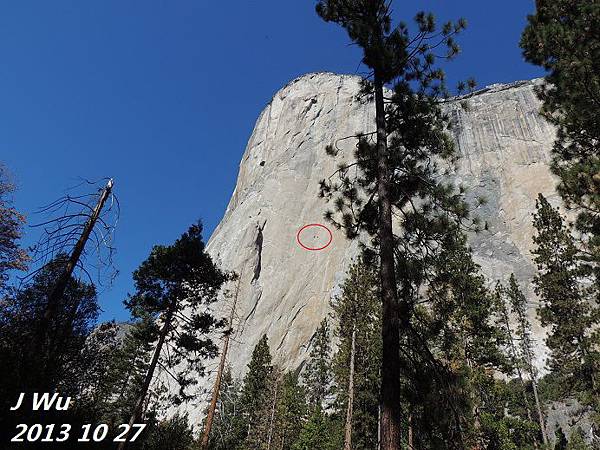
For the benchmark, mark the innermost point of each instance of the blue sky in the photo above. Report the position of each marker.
(163, 95)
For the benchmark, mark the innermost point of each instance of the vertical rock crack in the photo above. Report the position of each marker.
(258, 246)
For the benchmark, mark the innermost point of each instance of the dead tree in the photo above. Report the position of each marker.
(61, 284)
(63, 243)
(72, 222)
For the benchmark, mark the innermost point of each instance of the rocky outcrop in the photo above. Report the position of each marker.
(285, 289)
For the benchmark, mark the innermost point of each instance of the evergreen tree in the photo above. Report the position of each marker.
(290, 413)
(455, 348)
(21, 317)
(518, 303)
(504, 423)
(216, 390)
(229, 426)
(95, 384)
(358, 310)
(257, 397)
(170, 434)
(174, 286)
(318, 433)
(568, 307)
(317, 375)
(577, 440)
(518, 428)
(562, 37)
(396, 166)
(561, 440)
(126, 371)
(516, 358)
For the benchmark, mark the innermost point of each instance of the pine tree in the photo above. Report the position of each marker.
(126, 370)
(568, 307)
(455, 348)
(350, 406)
(518, 303)
(170, 434)
(318, 433)
(173, 286)
(562, 37)
(229, 426)
(317, 375)
(290, 414)
(208, 421)
(577, 440)
(503, 422)
(395, 168)
(21, 318)
(22, 314)
(561, 440)
(515, 357)
(257, 397)
(273, 399)
(358, 311)
(94, 379)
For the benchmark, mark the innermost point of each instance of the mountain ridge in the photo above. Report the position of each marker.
(504, 152)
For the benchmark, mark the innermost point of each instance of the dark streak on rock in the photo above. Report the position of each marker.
(255, 306)
(296, 315)
(283, 339)
(290, 325)
(259, 245)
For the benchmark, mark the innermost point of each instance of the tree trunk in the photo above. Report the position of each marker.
(61, 283)
(391, 415)
(137, 411)
(379, 426)
(217, 388)
(349, 411)
(47, 341)
(538, 406)
(410, 433)
(517, 363)
(273, 408)
(587, 359)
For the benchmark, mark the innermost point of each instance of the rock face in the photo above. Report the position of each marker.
(285, 289)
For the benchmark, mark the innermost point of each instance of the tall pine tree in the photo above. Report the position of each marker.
(174, 286)
(568, 306)
(452, 353)
(396, 165)
(290, 413)
(518, 303)
(562, 37)
(358, 312)
(317, 374)
(229, 427)
(257, 397)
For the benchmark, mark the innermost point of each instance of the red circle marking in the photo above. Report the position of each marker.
(314, 225)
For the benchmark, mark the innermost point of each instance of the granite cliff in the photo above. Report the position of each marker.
(504, 148)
